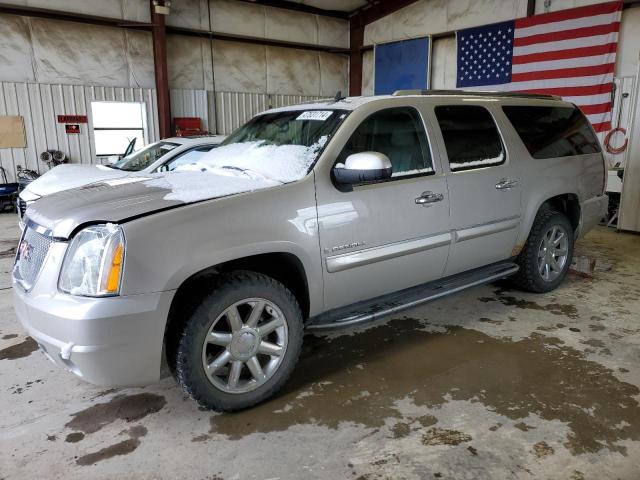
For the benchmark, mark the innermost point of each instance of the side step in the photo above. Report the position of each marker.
(411, 297)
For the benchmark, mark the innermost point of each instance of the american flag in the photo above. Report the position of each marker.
(570, 53)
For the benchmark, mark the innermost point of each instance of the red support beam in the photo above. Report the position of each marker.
(159, 35)
(357, 23)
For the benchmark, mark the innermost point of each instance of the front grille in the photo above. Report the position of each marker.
(32, 252)
(22, 207)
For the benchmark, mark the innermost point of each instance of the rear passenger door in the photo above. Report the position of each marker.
(484, 187)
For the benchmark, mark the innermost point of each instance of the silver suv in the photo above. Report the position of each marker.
(315, 216)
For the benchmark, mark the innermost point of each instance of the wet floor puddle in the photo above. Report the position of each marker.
(19, 350)
(358, 378)
(130, 408)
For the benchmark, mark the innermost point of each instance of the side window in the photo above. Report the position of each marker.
(550, 132)
(185, 158)
(399, 134)
(470, 136)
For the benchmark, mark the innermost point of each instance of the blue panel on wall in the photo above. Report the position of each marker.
(401, 65)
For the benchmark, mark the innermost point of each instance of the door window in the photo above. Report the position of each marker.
(399, 134)
(470, 137)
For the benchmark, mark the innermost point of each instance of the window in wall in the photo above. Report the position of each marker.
(470, 137)
(115, 124)
(550, 132)
(399, 134)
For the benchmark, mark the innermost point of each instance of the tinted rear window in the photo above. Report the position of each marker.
(550, 132)
(470, 136)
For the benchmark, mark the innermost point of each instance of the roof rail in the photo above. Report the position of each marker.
(473, 93)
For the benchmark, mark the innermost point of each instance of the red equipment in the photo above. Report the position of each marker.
(188, 126)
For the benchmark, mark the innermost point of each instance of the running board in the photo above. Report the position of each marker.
(411, 297)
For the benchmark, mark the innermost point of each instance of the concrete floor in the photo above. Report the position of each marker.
(488, 384)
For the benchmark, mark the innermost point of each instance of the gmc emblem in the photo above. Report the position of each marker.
(25, 250)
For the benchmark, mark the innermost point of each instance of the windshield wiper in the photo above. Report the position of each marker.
(248, 171)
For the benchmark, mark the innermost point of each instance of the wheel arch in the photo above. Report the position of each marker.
(567, 203)
(284, 267)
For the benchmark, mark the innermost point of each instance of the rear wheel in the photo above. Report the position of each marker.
(241, 342)
(547, 255)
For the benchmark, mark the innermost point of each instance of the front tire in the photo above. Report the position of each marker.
(241, 342)
(546, 257)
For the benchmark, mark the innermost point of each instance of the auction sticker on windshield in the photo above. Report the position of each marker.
(320, 115)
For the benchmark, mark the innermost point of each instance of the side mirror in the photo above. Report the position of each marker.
(363, 167)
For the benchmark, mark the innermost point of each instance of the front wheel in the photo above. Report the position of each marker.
(241, 343)
(547, 255)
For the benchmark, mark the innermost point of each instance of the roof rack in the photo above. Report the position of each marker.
(465, 93)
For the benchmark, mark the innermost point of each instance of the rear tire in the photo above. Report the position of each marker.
(547, 255)
(240, 343)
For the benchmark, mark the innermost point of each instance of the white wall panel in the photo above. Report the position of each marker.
(67, 52)
(40, 104)
(443, 63)
(240, 67)
(136, 10)
(427, 17)
(629, 43)
(189, 14)
(367, 73)
(186, 61)
(240, 18)
(15, 49)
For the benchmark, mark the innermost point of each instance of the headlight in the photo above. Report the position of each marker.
(93, 263)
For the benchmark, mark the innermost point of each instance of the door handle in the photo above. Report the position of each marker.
(429, 197)
(506, 184)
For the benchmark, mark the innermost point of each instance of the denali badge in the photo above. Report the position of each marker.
(339, 248)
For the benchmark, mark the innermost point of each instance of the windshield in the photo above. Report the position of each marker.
(144, 157)
(278, 146)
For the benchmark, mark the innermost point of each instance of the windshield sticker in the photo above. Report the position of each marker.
(318, 115)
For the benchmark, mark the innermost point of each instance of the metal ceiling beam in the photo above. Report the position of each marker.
(299, 7)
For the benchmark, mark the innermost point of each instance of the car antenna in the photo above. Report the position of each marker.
(338, 96)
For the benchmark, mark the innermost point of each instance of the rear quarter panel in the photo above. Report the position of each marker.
(542, 179)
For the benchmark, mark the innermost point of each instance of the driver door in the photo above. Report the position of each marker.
(377, 238)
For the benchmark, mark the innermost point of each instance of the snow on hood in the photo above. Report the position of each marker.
(237, 168)
(65, 177)
(192, 186)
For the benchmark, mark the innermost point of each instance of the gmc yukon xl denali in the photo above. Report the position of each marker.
(315, 216)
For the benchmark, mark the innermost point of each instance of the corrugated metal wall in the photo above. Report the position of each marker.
(228, 109)
(233, 108)
(40, 104)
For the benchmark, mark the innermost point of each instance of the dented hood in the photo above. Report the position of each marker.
(67, 176)
(120, 199)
